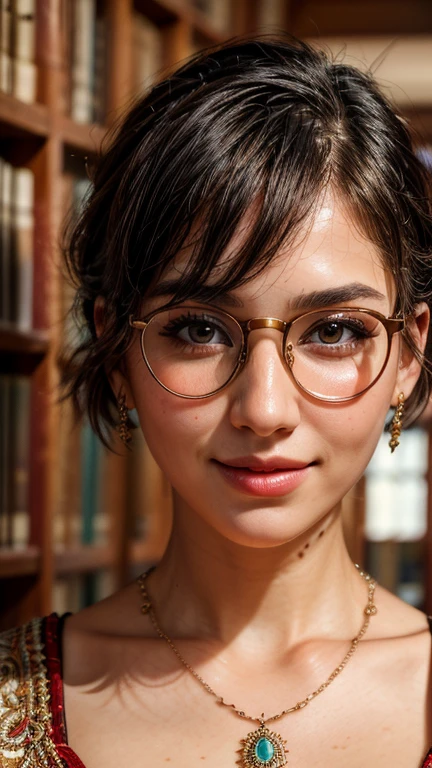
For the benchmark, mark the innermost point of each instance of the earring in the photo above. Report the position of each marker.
(123, 427)
(396, 425)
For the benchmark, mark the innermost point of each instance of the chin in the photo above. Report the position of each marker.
(264, 528)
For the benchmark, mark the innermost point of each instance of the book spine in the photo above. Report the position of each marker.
(100, 70)
(147, 52)
(19, 452)
(3, 262)
(5, 240)
(66, 44)
(22, 226)
(83, 37)
(90, 485)
(6, 46)
(4, 457)
(218, 13)
(271, 15)
(23, 63)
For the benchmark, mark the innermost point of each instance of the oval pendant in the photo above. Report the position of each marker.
(263, 749)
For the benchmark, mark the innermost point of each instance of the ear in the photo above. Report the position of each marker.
(409, 367)
(117, 378)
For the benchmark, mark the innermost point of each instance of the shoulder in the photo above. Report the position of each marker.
(95, 636)
(398, 619)
(403, 636)
(26, 721)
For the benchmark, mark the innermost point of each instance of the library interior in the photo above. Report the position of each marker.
(77, 522)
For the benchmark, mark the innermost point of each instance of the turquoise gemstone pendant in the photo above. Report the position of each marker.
(263, 749)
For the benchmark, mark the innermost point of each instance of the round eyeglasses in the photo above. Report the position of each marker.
(336, 354)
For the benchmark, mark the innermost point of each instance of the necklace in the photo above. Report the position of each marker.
(262, 748)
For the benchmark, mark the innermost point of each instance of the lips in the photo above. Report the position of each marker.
(273, 476)
(257, 464)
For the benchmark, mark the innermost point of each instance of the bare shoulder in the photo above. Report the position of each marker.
(117, 614)
(95, 636)
(402, 635)
(397, 619)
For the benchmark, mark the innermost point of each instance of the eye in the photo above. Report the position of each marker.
(336, 332)
(331, 333)
(197, 330)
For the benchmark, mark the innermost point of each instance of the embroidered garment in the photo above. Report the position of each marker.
(32, 723)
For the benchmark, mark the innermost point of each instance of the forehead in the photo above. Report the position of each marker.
(330, 252)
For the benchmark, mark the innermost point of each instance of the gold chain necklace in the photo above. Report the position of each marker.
(262, 748)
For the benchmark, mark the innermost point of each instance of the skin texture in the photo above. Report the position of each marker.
(260, 593)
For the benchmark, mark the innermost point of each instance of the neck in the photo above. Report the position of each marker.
(207, 587)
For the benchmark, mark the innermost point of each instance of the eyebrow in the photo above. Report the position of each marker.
(313, 300)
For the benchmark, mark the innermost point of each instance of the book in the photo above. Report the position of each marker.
(23, 45)
(6, 46)
(93, 528)
(5, 240)
(100, 70)
(271, 15)
(14, 461)
(82, 63)
(4, 458)
(21, 248)
(218, 13)
(19, 461)
(146, 52)
(77, 591)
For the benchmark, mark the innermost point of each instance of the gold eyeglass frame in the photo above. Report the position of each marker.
(392, 325)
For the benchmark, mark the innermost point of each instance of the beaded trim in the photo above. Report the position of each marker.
(25, 717)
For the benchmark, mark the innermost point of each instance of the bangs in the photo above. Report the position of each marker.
(247, 152)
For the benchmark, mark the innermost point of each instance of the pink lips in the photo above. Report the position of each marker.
(264, 477)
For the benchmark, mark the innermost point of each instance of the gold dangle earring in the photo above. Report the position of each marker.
(396, 425)
(123, 427)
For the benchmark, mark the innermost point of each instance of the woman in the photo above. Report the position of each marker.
(253, 267)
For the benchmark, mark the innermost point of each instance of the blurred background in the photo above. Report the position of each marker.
(77, 522)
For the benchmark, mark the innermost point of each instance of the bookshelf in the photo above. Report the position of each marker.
(67, 69)
(76, 88)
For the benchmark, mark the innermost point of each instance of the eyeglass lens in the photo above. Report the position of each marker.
(194, 351)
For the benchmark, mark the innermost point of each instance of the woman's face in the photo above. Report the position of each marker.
(262, 415)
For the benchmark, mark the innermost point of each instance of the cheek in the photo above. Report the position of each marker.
(175, 428)
(353, 429)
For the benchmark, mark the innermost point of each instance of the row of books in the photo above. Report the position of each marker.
(85, 60)
(270, 14)
(84, 50)
(16, 244)
(17, 48)
(79, 516)
(72, 593)
(83, 40)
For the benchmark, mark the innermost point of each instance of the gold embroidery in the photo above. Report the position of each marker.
(25, 718)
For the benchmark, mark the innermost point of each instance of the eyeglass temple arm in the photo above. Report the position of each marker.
(394, 324)
(137, 323)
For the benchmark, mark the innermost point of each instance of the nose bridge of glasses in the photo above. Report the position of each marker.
(266, 322)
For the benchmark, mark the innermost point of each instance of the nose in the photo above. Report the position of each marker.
(264, 397)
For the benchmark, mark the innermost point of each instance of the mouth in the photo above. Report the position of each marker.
(271, 464)
(271, 477)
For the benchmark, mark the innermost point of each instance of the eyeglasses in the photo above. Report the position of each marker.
(194, 351)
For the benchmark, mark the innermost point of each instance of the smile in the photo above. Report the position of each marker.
(257, 481)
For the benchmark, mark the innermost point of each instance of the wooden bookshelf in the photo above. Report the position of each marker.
(39, 136)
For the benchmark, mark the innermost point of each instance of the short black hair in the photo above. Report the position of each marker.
(270, 121)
